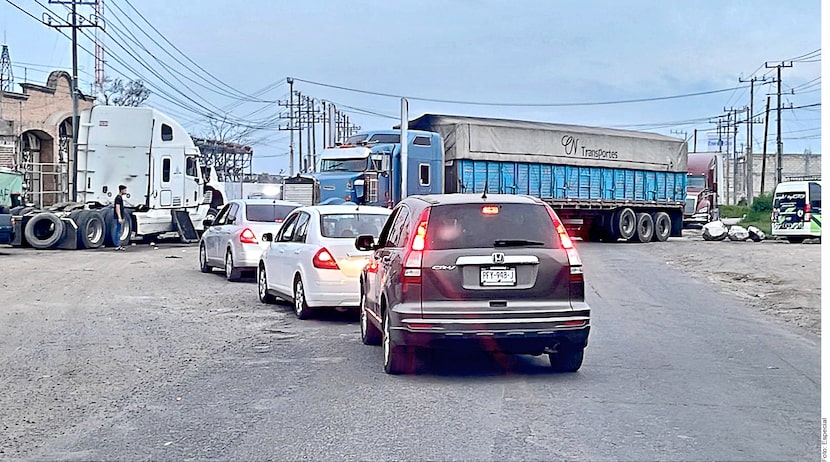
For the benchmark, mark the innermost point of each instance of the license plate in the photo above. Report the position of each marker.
(498, 276)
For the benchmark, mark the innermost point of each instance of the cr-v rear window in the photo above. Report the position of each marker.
(462, 226)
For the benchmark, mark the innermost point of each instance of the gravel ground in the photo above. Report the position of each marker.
(772, 276)
(85, 335)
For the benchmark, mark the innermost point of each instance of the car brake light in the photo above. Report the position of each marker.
(247, 237)
(412, 262)
(372, 266)
(324, 260)
(490, 209)
(808, 216)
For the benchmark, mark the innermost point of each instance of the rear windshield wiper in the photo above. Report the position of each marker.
(515, 243)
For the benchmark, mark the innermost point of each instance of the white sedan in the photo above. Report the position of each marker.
(233, 240)
(312, 260)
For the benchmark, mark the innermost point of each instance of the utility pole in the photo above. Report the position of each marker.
(291, 125)
(695, 142)
(300, 132)
(313, 136)
(779, 144)
(764, 156)
(75, 24)
(6, 75)
(732, 125)
(749, 121)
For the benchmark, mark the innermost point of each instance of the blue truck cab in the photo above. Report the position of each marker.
(366, 170)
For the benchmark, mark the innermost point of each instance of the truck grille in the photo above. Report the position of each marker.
(299, 192)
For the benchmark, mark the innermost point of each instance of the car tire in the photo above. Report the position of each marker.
(301, 308)
(369, 334)
(625, 224)
(231, 273)
(262, 285)
(397, 359)
(795, 239)
(662, 226)
(568, 360)
(203, 263)
(645, 228)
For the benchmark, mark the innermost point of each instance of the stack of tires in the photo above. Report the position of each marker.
(48, 230)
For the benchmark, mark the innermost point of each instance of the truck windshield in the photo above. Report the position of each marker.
(346, 165)
(696, 181)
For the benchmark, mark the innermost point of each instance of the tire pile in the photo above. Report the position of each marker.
(68, 226)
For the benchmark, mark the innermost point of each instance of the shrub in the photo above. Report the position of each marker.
(762, 203)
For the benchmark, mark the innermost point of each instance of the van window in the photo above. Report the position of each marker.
(815, 197)
(166, 132)
(464, 226)
(165, 170)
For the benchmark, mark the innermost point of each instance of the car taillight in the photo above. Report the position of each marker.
(324, 260)
(576, 277)
(247, 237)
(414, 257)
(807, 212)
(372, 266)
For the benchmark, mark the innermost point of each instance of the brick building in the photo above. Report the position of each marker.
(36, 135)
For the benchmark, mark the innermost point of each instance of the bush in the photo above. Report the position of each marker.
(733, 211)
(762, 203)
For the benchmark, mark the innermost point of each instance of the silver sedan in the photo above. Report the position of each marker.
(233, 240)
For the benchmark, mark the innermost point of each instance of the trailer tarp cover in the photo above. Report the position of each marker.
(479, 138)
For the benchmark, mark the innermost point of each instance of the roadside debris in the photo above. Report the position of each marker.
(756, 234)
(714, 231)
(738, 233)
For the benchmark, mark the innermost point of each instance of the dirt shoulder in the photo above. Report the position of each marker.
(775, 277)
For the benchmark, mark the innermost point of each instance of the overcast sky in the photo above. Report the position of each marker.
(484, 51)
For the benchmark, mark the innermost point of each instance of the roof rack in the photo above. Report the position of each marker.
(803, 178)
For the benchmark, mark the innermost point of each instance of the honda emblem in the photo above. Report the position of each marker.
(498, 258)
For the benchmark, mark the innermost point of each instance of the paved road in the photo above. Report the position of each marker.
(673, 372)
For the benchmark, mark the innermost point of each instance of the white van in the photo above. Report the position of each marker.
(796, 210)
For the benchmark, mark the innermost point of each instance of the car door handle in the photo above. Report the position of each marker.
(297, 252)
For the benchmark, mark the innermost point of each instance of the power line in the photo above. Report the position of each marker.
(479, 103)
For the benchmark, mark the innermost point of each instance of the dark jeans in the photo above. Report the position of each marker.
(116, 234)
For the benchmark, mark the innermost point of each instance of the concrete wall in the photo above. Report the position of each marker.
(792, 165)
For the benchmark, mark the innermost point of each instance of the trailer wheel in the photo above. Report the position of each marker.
(625, 222)
(91, 229)
(44, 230)
(662, 226)
(645, 228)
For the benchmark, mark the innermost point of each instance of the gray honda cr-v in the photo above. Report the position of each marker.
(492, 272)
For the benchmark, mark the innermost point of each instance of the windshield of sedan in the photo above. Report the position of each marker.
(271, 213)
(346, 165)
(351, 225)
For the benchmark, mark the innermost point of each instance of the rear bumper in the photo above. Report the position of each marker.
(528, 334)
(343, 292)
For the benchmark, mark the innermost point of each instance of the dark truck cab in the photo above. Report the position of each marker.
(7, 220)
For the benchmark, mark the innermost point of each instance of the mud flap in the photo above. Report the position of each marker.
(69, 240)
(187, 233)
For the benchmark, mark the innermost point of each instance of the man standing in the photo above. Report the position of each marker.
(118, 210)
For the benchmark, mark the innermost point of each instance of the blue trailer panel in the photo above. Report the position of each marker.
(583, 183)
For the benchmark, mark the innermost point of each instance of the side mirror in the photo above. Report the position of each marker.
(365, 242)
(207, 222)
(267, 237)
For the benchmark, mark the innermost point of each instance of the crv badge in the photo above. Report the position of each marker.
(498, 258)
